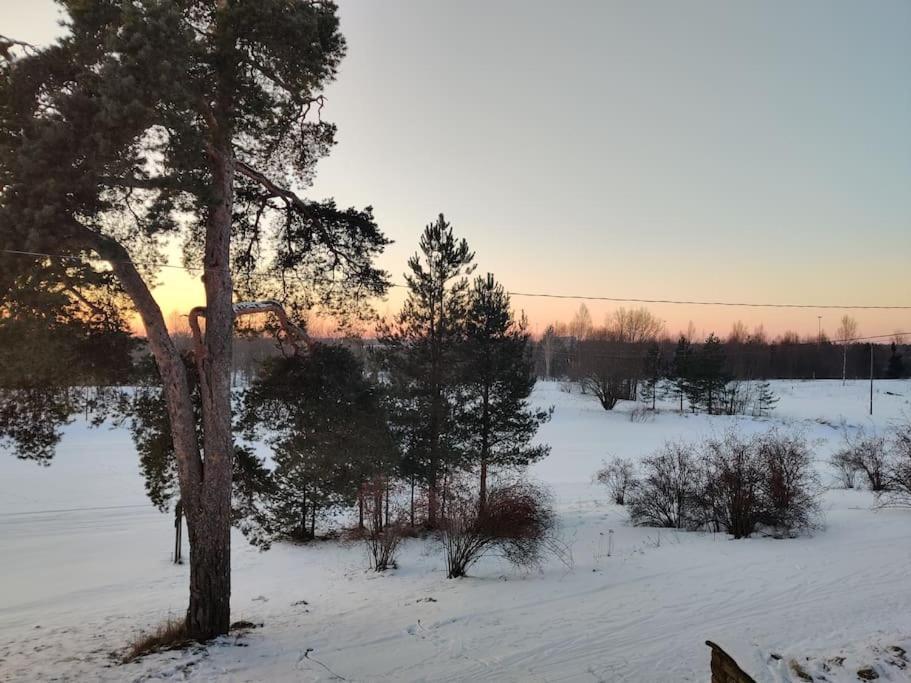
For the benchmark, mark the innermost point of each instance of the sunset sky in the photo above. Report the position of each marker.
(739, 151)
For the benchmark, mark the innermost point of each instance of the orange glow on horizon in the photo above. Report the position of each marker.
(179, 291)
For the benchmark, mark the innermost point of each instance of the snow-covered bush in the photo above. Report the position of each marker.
(619, 476)
(669, 494)
(515, 522)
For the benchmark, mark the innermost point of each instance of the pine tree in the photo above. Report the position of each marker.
(422, 354)
(495, 417)
(653, 371)
(896, 367)
(187, 120)
(707, 377)
(326, 424)
(765, 398)
(681, 367)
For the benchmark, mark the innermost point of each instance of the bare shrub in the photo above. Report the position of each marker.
(868, 453)
(790, 486)
(846, 469)
(170, 635)
(898, 493)
(619, 476)
(383, 544)
(669, 494)
(382, 523)
(641, 414)
(733, 485)
(515, 521)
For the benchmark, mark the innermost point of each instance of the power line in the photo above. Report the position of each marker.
(544, 295)
(689, 302)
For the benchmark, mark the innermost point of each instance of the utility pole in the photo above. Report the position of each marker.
(871, 378)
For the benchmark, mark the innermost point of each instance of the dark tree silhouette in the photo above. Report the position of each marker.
(190, 121)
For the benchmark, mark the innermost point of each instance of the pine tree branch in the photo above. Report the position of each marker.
(173, 372)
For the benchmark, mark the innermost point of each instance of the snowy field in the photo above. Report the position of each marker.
(84, 566)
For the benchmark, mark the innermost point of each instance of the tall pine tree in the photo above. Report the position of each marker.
(422, 351)
(497, 420)
(681, 368)
(187, 121)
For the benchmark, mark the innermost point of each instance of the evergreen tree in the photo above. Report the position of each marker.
(422, 354)
(56, 341)
(896, 367)
(145, 412)
(707, 377)
(652, 373)
(187, 120)
(327, 427)
(497, 421)
(765, 398)
(681, 367)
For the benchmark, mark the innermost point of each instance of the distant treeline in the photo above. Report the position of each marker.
(635, 340)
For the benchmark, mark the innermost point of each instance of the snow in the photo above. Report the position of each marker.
(85, 567)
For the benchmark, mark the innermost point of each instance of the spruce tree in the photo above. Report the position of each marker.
(765, 398)
(495, 416)
(422, 353)
(326, 423)
(708, 377)
(896, 367)
(653, 371)
(681, 368)
(187, 121)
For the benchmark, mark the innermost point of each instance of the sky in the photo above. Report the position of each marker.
(740, 151)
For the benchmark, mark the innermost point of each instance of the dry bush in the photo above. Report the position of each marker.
(732, 499)
(619, 476)
(765, 483)
(516, 522)
(170, 635)
(383, 544)
(898, 493)
(869, 455)
(846, 469)
(641, 414)
(668, 494)
(736, 485)
(790, 486)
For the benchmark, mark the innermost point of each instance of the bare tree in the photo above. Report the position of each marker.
(619, 476)
(847, 330)
(581, 326)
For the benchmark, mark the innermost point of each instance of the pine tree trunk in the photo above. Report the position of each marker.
(208, 615)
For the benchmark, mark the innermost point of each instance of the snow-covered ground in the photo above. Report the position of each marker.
(84, 566)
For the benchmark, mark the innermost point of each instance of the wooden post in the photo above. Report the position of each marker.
(178, 529)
